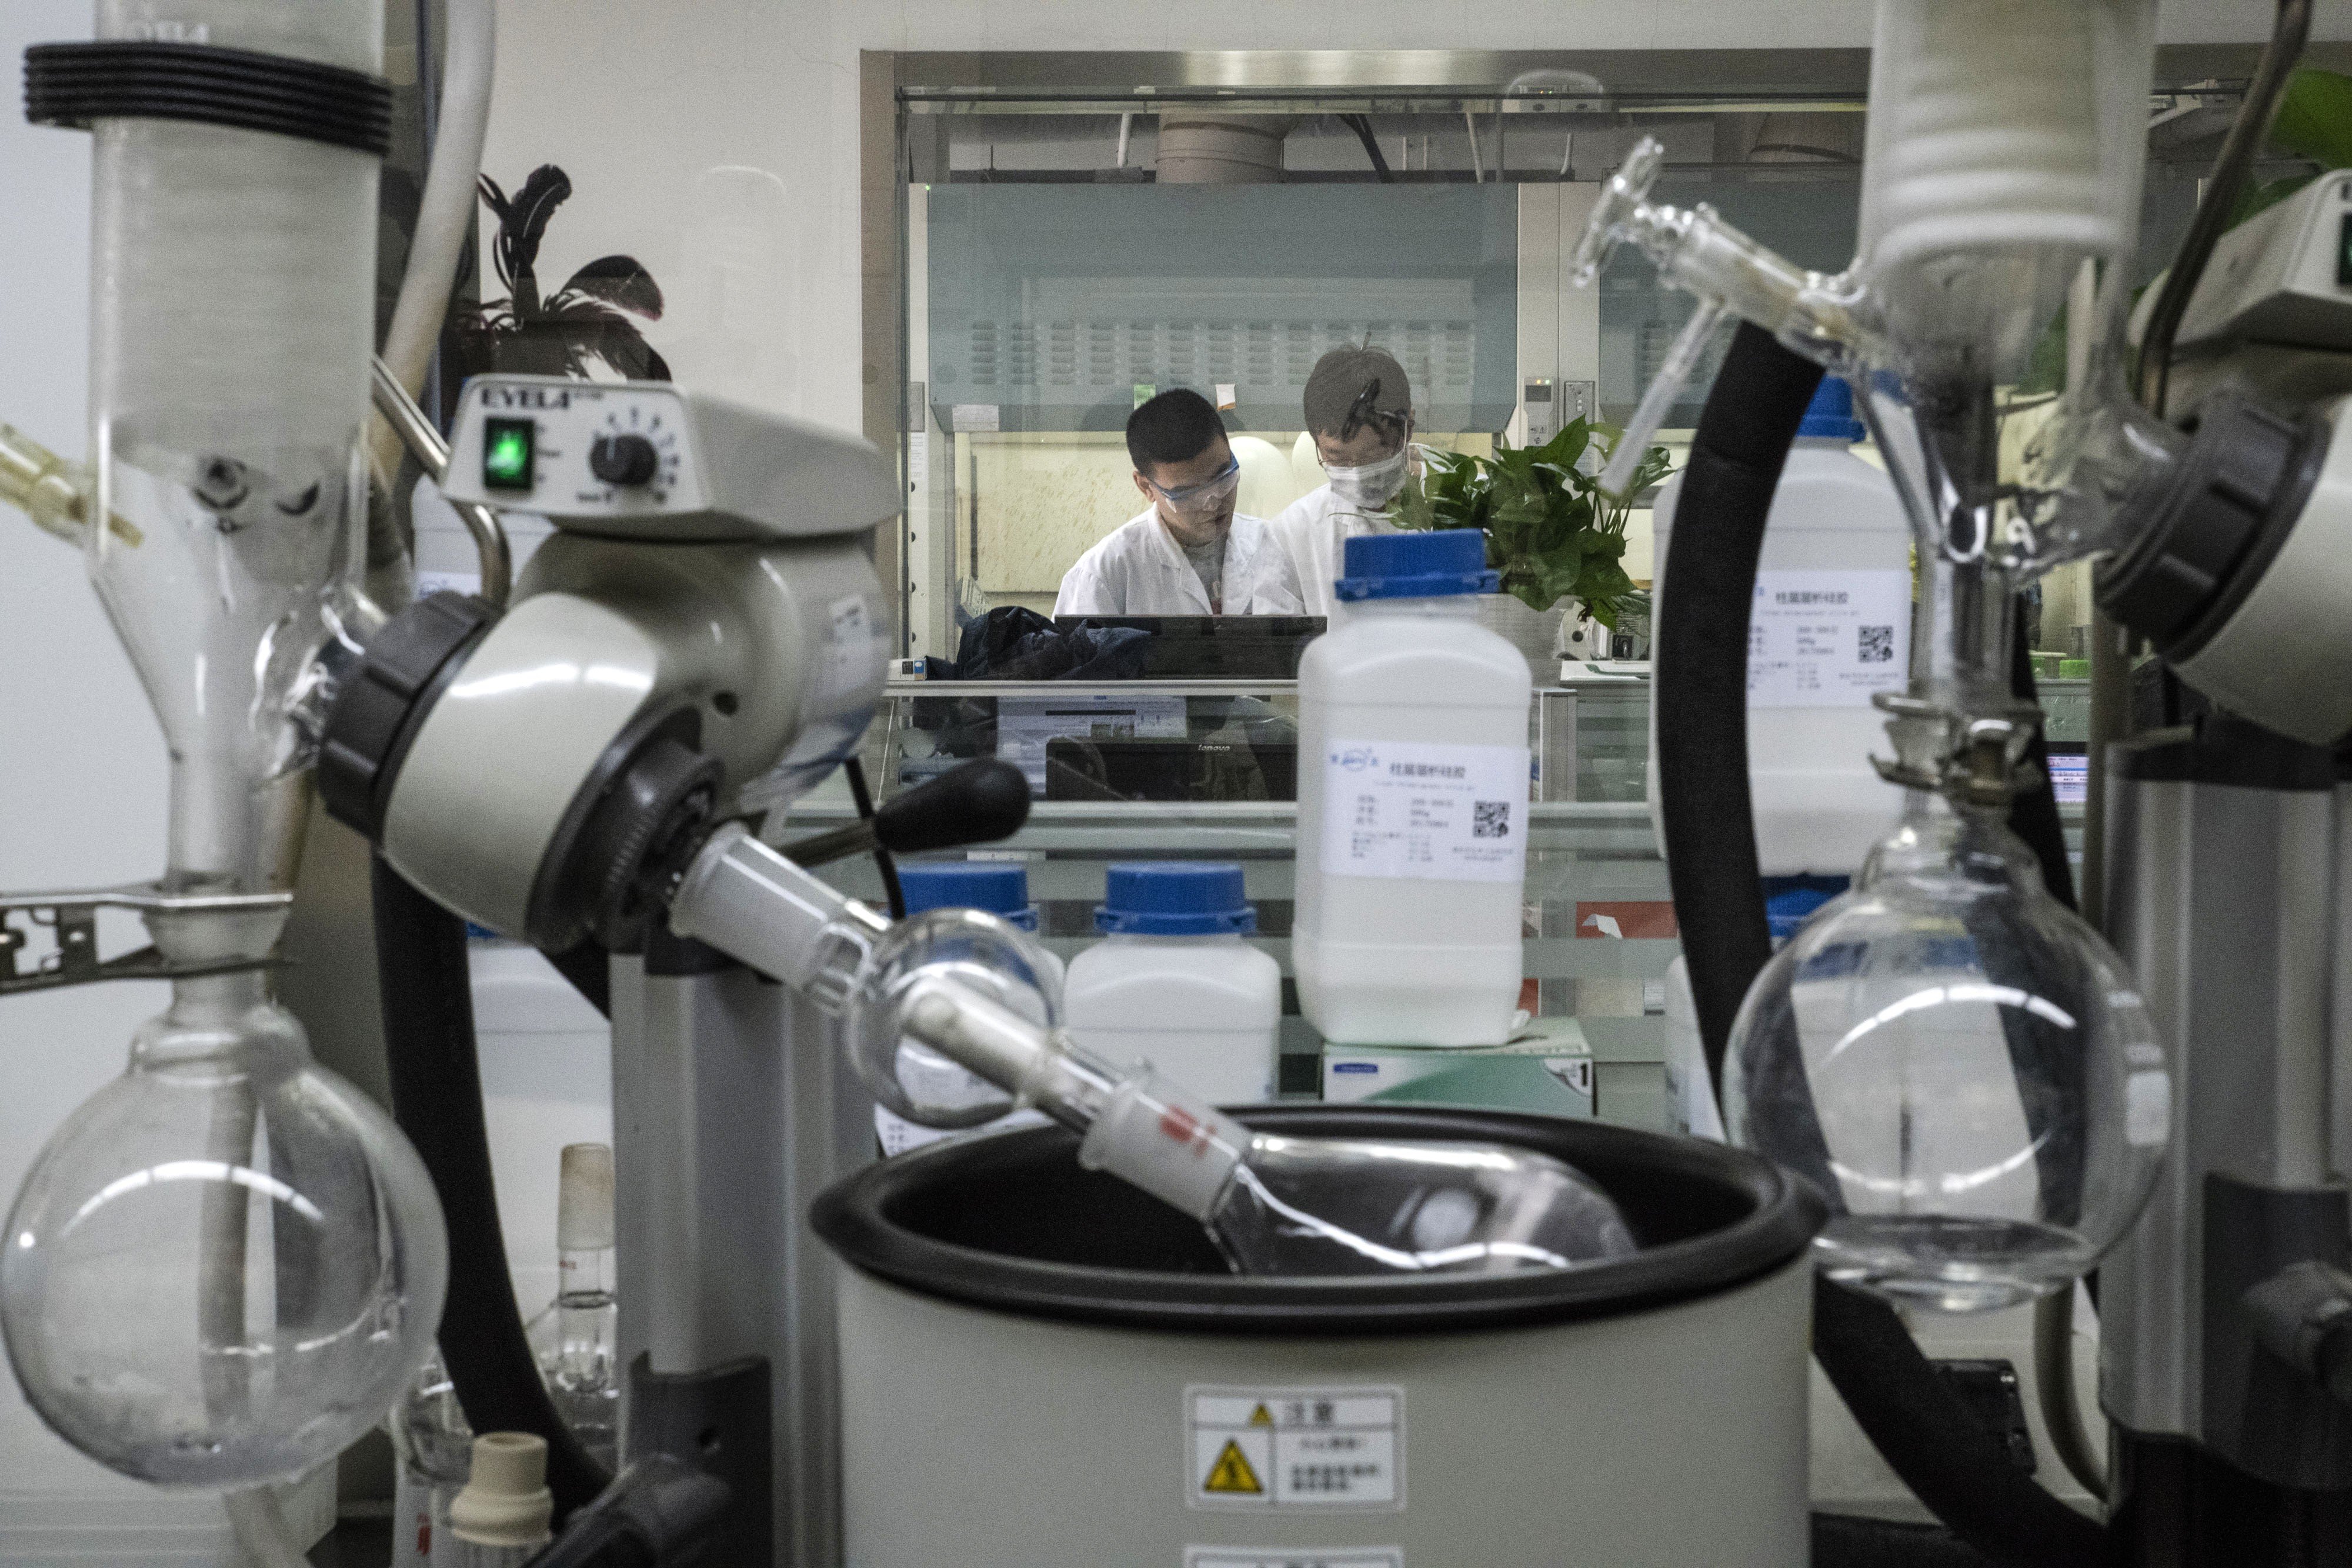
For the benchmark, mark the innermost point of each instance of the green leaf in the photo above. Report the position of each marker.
(1533, 596)
(1413, 510)
(1551, 534)
(2315, 117)
(1555, 529)
(1567, 445)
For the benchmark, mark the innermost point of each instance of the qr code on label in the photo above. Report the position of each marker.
(1878, 645)
(1490, 819)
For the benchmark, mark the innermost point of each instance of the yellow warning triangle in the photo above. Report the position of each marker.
(1231, 1473)
(1261, 1416)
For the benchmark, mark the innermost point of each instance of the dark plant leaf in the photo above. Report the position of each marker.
(618, 280)
(496, 200)
(600, 333)
(522, 226)
(547, 188)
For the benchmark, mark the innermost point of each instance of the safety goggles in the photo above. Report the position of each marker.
(1366, 410)
(1206, 495)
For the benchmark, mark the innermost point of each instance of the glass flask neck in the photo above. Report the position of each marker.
(230, 832)
(221, 1022)
(579, 1276)
(1939, 842)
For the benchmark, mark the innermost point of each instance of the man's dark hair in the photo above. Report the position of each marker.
(1173, 427)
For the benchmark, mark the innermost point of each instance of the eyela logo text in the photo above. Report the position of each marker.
(1357, 760)
(525, 397)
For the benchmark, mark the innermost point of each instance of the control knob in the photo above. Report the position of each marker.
(622, 460)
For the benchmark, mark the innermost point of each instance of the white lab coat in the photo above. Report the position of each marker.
(1138, 570)
(1309, 533)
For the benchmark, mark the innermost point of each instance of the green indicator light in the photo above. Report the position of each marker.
(507, 455)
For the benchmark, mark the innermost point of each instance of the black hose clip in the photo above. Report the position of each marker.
(75, 85)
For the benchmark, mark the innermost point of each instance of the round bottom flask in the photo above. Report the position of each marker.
(981, 952)
(227, 1264)
(1961, 1065)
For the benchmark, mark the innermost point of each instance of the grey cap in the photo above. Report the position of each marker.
(1341, 377)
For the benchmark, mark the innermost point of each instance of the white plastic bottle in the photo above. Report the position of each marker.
(1831, 626)
(502, 1518)
(1172, 984)
(1002, 888)
(1788, 903)
(1413, 803)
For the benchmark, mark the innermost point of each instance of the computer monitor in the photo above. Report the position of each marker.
(1214, 648)
(2069, 772)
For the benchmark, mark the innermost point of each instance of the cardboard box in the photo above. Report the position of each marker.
(1546, 1068)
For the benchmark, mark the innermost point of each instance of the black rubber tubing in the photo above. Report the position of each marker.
(2033, 814)
(1948, 1458)
(436, 1098)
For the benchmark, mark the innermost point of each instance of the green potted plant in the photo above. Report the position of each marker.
(1551, 531)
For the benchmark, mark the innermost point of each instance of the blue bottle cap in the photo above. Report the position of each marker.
(1000, 886)
(1830, 415)
(1417, 565)
(1789, 901)
(1175, 898)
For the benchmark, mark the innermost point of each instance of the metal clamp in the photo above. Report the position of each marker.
(1974, 760)
(74, 917)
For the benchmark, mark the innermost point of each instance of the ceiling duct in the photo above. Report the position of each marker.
(1221, 149)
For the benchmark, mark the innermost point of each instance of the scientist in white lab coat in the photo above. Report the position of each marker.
(1187, 553)
(1359, 409)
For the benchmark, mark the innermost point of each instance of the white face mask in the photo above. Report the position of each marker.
(1371, 486)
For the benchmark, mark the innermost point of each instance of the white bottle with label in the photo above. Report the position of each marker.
(1788, 903)
(1172, 984)
(1002, 888)
(1831, 626)
(1412, 804)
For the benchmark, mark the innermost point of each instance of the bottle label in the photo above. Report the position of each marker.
(1433, 813)
(1293, 1557)
(1303, 1450)
(1828, 639)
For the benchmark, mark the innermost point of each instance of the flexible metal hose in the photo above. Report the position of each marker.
(444, 214)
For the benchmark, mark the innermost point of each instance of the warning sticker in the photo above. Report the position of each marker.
(1304, 1449)
(1293, 1557)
